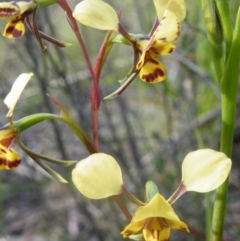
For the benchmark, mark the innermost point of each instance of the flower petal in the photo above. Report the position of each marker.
(156, 230)
(9, 158)
(16, 11)
(143, 45)
(162, 48)
(168, 29)
(7, 136)
(178, 7)
(17, 88)
(176, 225)
(152, 70)
(14, 29)
(96, 14)
(204, 170)
(9, 10)
(133, 228)
(159, 207)
(98, 176)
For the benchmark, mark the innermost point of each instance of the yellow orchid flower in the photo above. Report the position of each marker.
(151, 69)
(168, 31)
(202, 171)
(100, 15)
(170, 13)
(19, 13)
(15, 12)
(99, 176)
(154, 220)
(9, 158)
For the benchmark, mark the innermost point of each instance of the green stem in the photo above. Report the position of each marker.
(224, 17)
(123, 207)
(131, 197)
(215, 36)
(208, 216)
(50, 171)
(34, 119)
(31, 120)
(45, 3)
(65, 163)
(228, 103)
(95, 100)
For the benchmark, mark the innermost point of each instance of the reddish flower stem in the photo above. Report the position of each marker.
(95, 93)
(42, 35)
(130, 197)
(101, 56)
(123, 207)
(178, 193)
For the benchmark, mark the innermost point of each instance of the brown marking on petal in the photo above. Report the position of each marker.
(151, 77)
(158, 234)
(127, 233)
(155, 237)
(163, 39)
(153, 234)
(16, 19)
(6, 164)
(6, 13)
(7, 141)
(162, 20)
(9, 9)
(171, 50)
(178, 32)
(28, 12)
(14, 32)
(179, 29)
(160, 23)
(3, 151)
(153, 61)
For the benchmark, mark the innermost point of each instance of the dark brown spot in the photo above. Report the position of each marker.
(8, 12)
(163, 39)
(28, 12)
(9, 164)
(178, 32)
(14, 32)
(163, 18)
(7, 141)
(3, 150)
(16, 19)
(152, 77)
(153, 61)
(127, 233)
(179, 29)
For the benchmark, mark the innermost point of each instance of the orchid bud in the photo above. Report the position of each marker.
(205, 170)
(98, 176)
(96, 14)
